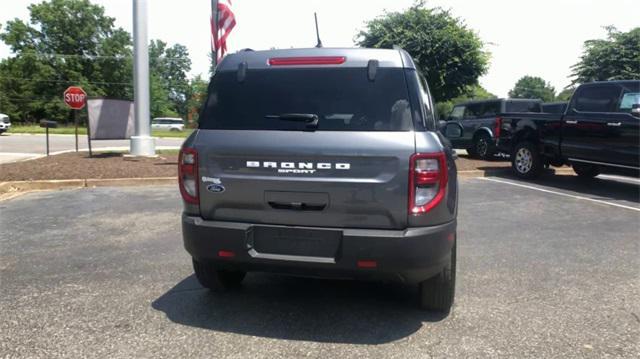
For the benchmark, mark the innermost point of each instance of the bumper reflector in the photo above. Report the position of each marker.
(226, 254)
(367, 264)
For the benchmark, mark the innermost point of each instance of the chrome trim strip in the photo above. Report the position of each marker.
(285, 257)
(604, 163)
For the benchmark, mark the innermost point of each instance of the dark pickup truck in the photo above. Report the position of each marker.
(598, 133)
(480, 123)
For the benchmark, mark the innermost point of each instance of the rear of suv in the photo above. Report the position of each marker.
(324, 163)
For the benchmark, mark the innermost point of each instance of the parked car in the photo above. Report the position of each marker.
(167, 124)
(480, 122)
(324, 163)
(5, 123)
(554, 107)
(598, 133)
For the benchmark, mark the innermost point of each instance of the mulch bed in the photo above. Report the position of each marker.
(80, 166)
(115, 165)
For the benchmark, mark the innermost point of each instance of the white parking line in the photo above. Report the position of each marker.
(560, 193)
(620, 178)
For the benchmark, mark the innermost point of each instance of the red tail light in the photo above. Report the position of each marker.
(313, 60)
(188, 175)
(427, 181)
(496, 131)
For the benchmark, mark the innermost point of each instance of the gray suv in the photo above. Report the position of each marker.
(324, 163)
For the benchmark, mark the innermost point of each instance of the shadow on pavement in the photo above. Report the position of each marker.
(300, 309)
(601, 188)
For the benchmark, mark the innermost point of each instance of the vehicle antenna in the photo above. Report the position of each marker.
(319, 44)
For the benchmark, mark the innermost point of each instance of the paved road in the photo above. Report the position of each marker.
(15, 147)
(543, 272)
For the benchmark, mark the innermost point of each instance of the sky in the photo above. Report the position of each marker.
(539, 38)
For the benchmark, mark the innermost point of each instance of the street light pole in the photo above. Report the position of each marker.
(142, 144)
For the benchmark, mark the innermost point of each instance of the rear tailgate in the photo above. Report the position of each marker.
(320, 179)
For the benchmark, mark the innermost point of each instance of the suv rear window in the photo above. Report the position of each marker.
(344, 100)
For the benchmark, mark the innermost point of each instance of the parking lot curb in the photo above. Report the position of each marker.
(13, 189)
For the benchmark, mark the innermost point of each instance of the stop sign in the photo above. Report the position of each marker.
(75, 97)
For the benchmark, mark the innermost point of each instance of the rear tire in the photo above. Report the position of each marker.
(586, 171)
(483, 147)
(525, 160)
(438, 292)
(215, 279)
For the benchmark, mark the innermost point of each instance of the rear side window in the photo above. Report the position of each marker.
(491, 109)
(428, 103)
(523, 106)
(600, 98)
(473, 111)
(344, 99)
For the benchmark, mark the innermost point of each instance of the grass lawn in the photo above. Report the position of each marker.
(83, 131)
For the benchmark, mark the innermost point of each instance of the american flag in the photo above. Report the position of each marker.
(222, 22)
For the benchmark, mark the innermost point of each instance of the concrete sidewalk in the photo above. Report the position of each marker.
(20, 147)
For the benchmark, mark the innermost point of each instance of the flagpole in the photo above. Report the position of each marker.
(214, 33)
(142, 144)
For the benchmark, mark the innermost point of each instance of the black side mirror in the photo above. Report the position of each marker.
(452, 131)
(635, 109)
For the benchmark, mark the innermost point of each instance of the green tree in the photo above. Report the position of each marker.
(65, 42)
(171, 65)
(196, 96)
(533, 87)
(475, 92)
(615, 58)
(448, 53)
(565, 95)
(161, 105)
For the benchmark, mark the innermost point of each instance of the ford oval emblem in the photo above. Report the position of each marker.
(215, 188)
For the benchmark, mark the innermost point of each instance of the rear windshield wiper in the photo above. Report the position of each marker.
(311, 119)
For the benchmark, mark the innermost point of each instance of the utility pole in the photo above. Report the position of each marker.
(142, 144)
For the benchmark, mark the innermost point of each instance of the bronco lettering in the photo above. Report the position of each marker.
(298, 167)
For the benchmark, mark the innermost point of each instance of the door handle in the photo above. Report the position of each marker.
(614, 124)
(571, 122)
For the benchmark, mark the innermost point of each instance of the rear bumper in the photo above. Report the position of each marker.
(410, 255)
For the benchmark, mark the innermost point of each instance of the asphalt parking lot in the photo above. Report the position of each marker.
(545, 269)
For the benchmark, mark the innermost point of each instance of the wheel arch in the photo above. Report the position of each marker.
(525, 134)
(481, 131)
